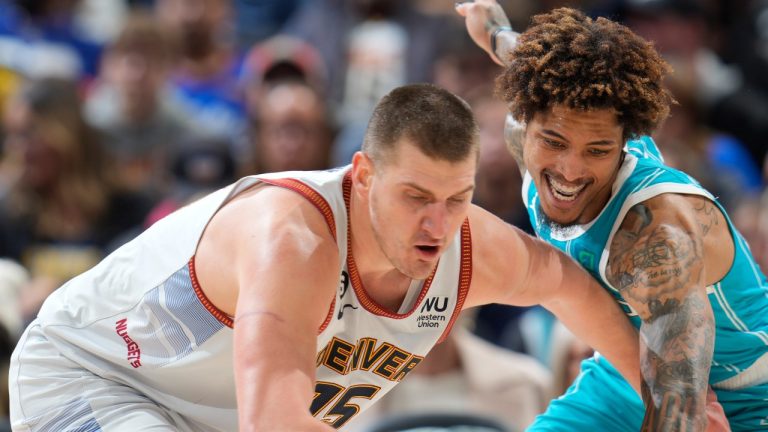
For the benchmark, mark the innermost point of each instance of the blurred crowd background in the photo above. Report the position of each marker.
(116, 112)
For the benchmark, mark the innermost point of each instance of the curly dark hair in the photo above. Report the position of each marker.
(566, 58)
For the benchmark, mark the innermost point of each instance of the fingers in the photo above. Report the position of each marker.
(461, 8)
(716, 418)
(464, 7)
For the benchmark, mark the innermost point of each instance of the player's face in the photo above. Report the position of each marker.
(417, 204)
(573, 157)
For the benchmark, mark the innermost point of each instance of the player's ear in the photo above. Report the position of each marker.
(362, 172)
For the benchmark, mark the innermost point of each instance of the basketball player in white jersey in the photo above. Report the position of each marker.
(293, 301)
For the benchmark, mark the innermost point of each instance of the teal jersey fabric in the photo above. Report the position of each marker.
(739, 300)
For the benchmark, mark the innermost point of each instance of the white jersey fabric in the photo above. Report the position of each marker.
(136, 334)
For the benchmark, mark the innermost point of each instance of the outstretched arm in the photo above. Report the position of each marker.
(275, 251)
(657, 264)
(511, 267)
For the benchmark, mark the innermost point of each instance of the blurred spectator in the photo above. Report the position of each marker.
(206, 79)
(751, 219)
(370, 47)
(280, 58)
(41, 38)
(199, 166)
(465, 374)
(498, 183)
(681, 30)
(7, 343)
(744, 112)
(293, 130)
(131, 106)
(717, 160)
(60, 209)
(13, 277)
(9, 82)
(101, 20)
(729, 99)
(566, 353)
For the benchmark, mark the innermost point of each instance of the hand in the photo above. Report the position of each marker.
(482, 18)
(716, 419)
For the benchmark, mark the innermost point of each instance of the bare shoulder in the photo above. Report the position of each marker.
(264, 228)
(263, 215)
(658, 253)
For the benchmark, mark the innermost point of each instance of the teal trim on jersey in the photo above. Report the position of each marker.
(739, 300)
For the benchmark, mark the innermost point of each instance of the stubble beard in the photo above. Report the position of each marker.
(395, 246)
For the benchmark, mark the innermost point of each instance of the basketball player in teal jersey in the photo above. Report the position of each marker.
(584, 96)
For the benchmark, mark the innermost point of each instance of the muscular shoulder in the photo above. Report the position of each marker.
(693, 214)
(268, 212)
(263, 230)
(658, 252)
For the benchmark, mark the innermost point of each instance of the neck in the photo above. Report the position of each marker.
(384, 283)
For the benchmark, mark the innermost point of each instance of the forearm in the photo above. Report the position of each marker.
(274, 376)
(590, 312)
(676, 354)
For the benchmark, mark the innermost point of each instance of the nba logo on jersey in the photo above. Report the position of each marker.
(586, 259)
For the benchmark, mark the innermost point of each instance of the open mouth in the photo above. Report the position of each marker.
(428, 251)
(562, 191)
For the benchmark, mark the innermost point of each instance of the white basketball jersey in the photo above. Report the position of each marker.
(141, 318)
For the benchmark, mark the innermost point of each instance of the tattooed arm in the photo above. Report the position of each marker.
(657, 262)
(514, 133)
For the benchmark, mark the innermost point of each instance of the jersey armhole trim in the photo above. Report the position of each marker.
(210, 307)
(465, 277)
(311, 195)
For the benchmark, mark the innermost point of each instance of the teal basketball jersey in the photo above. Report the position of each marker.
(739, 300)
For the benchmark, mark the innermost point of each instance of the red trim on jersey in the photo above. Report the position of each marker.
(216, 312)
(357, 284)
(325, 209)
(310, 194)
(328, 317)
(465, 276)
